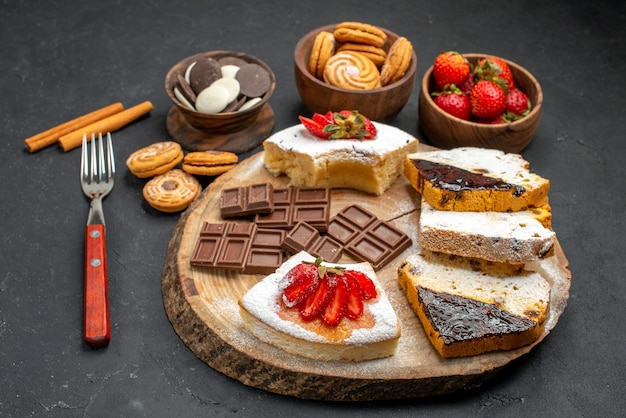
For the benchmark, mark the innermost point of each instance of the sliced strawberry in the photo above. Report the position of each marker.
(322, 119)
(314, 127)
(367, 286)
(303, 280)
(336, 308)
(315, 304)
(354, 306)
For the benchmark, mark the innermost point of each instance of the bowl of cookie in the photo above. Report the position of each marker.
(486, 101)
(217, 93)
(356, 66)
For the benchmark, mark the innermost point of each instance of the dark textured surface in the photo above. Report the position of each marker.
(62, 59)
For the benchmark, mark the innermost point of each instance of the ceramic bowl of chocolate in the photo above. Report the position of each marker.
(220, 92)
(494, 102)
(355, 66)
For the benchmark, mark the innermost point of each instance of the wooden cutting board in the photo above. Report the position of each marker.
(201, 304)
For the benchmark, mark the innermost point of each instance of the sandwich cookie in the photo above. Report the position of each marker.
(209, 163)
(397, 62)
(155, 159)
(323, 49)
(377, 55)
(361, 33)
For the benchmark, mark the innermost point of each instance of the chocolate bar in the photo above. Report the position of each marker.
(295, 204)
(241, 247)
(247, 200)
(367, 238)
(305, 237)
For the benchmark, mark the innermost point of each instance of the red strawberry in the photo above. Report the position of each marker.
(336, 308)
(495, 69)
(314, 127)
(316, 303)
(303, 280)
(347, 124)
(354, 306)
(517, 104)
(467, 85)
(367, 286)
(488, 100)
(453, 101)
(328, 293)
(496, 121)
(450, 68)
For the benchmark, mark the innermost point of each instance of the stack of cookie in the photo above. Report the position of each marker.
(172, 189)
(355, 57)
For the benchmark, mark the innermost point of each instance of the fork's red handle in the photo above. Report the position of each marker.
(97, 328)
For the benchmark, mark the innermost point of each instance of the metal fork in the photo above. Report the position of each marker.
(97, 175)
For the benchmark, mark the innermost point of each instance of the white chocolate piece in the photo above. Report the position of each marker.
(250, 103)
(213, 99)
(188, 71)
(229, 70)
(181, 98)
(231, 85)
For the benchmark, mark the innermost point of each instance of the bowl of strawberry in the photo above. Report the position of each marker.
(479, 100)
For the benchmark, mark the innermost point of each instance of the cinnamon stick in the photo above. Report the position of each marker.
(52, 135)
(110, 124)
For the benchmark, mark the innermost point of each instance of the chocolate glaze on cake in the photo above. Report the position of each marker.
(456, 179)
(459, 319)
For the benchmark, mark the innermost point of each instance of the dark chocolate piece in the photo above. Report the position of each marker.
(253, 79)
(204, 73)
(305, 237)
(185, 89)
(247, 200)
(367, 238)
(295, 204)
(240, 247)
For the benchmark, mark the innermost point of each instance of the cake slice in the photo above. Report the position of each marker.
(469, 306)
(369, 165)
(475, 179)
(271, 311)
(513, 237)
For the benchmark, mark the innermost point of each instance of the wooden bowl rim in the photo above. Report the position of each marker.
(222, 115)
(534, 112)
(303, 66)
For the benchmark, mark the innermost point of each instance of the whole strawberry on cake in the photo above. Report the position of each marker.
(339, 150)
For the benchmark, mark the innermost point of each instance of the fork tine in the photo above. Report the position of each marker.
(93, 163)
(84, 170)
(102, 172)
(110, 157)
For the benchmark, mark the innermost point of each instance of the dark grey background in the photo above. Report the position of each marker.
(61, 59)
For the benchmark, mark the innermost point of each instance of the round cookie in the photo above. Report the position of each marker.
(377, 55)
(360, 33)
(253, 79)
(172, 191)
(397, 62)
(323, 49)
(155, 159)
(351, 71)
(209, 163)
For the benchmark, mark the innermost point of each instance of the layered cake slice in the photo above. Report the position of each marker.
(370, 165)
(513, 237)
(469, 306)
(323, 311)
(475, 179)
